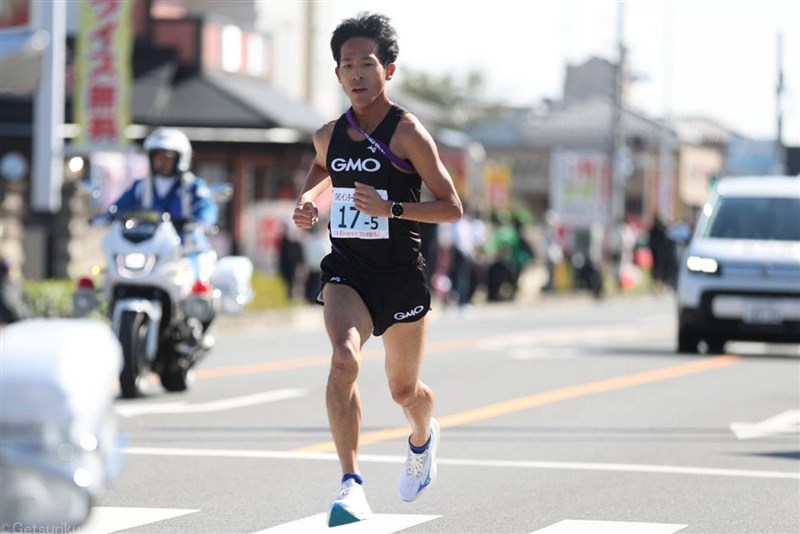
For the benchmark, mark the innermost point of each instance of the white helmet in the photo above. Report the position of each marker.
(174, 140)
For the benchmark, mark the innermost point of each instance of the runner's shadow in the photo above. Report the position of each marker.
(787, 455)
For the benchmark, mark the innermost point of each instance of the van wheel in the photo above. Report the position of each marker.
(687, 340)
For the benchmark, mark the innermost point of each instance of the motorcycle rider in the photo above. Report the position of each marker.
(172, 188)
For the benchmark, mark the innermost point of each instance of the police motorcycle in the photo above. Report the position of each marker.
(158, 309)
(159, 303)
(162, 291)
(60, 449)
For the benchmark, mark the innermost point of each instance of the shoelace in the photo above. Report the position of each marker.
(415, 464)
(346, 490)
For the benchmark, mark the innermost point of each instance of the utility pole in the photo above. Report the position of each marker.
(667, 199)
(47, 170)
(616, 214)
(780, 153)
(308, 46)
(48, 142)
(617, 131)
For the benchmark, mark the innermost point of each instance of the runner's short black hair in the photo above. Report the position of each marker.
(372, 26)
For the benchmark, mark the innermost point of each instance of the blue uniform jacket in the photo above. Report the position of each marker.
(202, 207)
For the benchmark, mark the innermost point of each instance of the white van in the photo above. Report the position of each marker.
(740, 275)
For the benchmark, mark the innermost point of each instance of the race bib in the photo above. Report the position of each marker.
(348, 222)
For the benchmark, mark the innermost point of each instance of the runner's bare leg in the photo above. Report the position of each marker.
(349, 325)
(404, 344)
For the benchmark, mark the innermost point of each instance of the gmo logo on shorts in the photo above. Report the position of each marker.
(365, 165)
(410, 313)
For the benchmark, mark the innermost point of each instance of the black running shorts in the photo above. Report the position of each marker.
(399, 295)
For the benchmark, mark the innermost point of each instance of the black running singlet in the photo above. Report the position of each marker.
(375, 242)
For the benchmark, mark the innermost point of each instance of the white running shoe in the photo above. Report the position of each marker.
(350, 505)
(420, 469)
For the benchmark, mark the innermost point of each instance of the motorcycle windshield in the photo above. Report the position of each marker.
(140, 226)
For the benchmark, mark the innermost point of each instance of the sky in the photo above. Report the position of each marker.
(690, 57)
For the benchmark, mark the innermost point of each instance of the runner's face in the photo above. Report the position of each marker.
(360, 72)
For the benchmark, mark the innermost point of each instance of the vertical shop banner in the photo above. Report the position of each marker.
(497, 184)
(103, 74)
(580, 187)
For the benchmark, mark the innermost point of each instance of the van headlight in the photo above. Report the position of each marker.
(699, 264)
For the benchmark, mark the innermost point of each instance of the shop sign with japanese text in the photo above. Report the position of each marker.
(103, 74)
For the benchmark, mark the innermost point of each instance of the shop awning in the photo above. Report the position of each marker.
(20, 62)
(218, 100)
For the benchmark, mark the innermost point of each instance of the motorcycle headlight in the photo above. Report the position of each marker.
(135, 261)
(699, 264)
(135, 264)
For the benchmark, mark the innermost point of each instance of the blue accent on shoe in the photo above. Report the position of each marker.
(424, 484)
(355, 476)
(419, 450)
(339, 516)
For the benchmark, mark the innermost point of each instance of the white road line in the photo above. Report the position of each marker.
(132, 409)
(377, 524)
(571, 526)
(518, 464)
(543, 353)
(567, 336)
(105, 519)
(787, 422)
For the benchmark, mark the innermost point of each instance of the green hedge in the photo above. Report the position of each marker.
(270, 292)
(49, 298)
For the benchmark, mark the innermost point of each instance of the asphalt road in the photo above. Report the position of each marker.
(557, 416)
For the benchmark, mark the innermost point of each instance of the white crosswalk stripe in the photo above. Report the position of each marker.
(377, 524)
(571, 526)
(105, 519)
(132, 410)
(108, 519)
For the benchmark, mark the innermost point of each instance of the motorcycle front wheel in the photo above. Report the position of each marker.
(133, 335)
(175, 378)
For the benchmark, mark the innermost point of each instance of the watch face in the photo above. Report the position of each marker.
(397, 210)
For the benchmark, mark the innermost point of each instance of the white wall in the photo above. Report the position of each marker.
(286, 23)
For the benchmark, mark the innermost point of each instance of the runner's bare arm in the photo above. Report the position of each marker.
(317, 181)
(413, 142)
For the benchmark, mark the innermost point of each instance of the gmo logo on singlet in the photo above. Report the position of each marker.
(410, 313)
(359, 165)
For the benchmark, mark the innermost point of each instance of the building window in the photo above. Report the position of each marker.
(255, 55)
(231, 48)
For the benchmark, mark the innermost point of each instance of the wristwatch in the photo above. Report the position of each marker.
(397, 210)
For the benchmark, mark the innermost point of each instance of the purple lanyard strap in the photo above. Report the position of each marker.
(379, 145)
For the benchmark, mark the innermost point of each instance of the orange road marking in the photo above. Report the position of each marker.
(262, 367)
(540, 399)
(515, 338)
(316, 361)
(278, 365)
(319, 361)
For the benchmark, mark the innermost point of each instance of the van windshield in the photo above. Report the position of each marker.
(755, 218)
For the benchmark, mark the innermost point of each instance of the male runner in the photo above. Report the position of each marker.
(376, 157)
